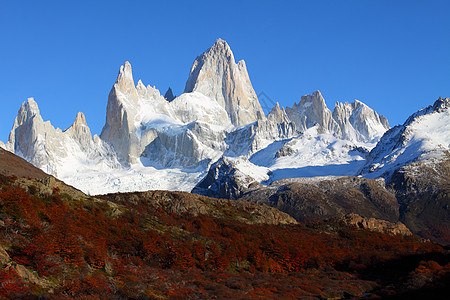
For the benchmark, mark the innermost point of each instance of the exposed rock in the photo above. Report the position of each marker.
(230, 178)
(31, 276)
(80, 132)
(278, 115)
(169, 95)
(286, 150)
(311, 111)
(121, 111)
(393, 228)
(196, 144)
(358, 122)
(216, 75)
(254, 137)
(2, 145)
(182, 202)
(423, 191)
(4, 257)
(425, 135)
(325, 197)
(52, 150)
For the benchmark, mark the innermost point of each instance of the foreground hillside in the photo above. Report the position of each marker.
(56, 242)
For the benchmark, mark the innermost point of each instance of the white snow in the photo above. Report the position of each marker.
(425, 137)
(314, 154)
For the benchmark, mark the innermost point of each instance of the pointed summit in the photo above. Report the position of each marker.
(80, 132)
(215, 74)
(30, 107)
(278, 115)
(311, 111)
(123, 103)
(358, 122)
(169, 95)
(124, 81)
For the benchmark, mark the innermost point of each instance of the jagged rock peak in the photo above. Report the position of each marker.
(80, 119)
(359, 122)
(438, 106)
(124, 81)
(278, 115)
(30, 106)
(312, 110)
(216, 75)
(169, 95)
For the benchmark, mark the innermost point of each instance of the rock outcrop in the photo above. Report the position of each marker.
(231, 178)
(169, 95)
(216, 75)
(393, 228)
(325, 197)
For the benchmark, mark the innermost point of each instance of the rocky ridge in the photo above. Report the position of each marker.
(149, 142)
(215, 74)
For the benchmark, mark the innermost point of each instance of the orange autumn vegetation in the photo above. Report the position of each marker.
(84, 249)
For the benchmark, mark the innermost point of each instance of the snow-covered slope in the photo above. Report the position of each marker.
(424, 136)
(149, 142)
(312, 154)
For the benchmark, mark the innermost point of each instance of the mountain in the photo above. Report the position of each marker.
(169, 95)
(425, 136)
(149, 142)
(57, 242)
(407, 173)
(216, 75)
(358, 122)
(55, 151)
(415, 160)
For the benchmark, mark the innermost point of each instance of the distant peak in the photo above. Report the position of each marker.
(31, 106)
(169, 95)
(124, 80)
(125, 70)
(220, 47)
(80, 119)
(317, 93)
(219, 41)
(140, 85)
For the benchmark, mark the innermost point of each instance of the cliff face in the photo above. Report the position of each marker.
(215, 74)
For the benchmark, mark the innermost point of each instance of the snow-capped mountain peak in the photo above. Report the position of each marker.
(149, 142)
(216, 75)
(424, 135)
(358, 122)
(312, 111)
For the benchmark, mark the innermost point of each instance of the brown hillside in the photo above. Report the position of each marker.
(13, 165)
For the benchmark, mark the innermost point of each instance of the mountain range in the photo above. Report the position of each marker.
(149, 142)
(215, 140)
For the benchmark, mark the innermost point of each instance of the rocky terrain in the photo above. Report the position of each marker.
(215, 140)
(57, 242)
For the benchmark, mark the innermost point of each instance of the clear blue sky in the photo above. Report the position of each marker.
(392, 55)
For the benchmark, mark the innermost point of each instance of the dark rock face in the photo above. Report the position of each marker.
(423, 192)
(169, 95)
(322, 198)
(225, 180)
